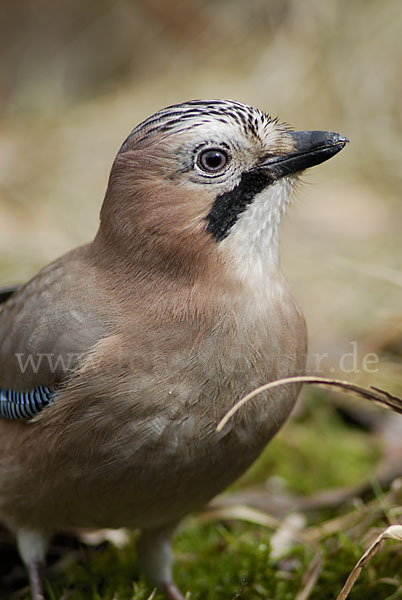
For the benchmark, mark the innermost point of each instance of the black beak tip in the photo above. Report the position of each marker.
(315, 147)
(340, 139)
(312, 140)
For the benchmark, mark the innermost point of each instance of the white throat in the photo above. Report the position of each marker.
(251, 249)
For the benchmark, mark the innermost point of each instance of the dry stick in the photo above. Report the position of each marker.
(374, 394)
(252, 515)
(394, 532)
(310, 578)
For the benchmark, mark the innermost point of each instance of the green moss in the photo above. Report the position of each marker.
(232, 562)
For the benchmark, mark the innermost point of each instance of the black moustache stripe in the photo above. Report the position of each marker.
(227, 207)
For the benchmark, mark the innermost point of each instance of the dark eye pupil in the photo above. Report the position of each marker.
(212, 160)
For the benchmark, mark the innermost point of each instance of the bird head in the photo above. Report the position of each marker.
(208, 178)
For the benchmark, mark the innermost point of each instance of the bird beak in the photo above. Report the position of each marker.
(311, 148)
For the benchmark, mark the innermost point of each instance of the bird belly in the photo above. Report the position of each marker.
(145, 475)
(117, 461)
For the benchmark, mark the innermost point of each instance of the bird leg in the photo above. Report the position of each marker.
(156, 559)
(32, 547)
(172, 591)
(35, 579)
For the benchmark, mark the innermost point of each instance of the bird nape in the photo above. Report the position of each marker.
(119, 359)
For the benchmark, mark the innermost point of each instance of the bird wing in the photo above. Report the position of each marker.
(25, 405)
(45, 327)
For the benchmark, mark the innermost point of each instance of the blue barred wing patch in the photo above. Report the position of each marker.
(25, 405)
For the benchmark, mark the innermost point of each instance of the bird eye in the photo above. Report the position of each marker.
(212, 160)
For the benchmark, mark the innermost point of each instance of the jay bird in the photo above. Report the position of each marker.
(118, 360)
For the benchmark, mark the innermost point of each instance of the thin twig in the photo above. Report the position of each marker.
(374, 394)
(394, 532)
(310, 577)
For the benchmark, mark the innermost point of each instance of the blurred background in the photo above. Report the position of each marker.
(77, 76)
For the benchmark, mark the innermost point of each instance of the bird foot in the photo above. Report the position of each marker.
(172, 591)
